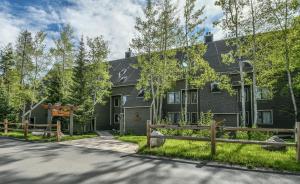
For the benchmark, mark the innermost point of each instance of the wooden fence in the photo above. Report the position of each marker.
(27, 127)
(213, 132)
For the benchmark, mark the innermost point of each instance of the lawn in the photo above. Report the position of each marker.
(35, 138)
(246, 155)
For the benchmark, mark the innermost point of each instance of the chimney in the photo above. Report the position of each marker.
(128, 53)
(208, 37)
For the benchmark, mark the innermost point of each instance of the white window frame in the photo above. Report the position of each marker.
(261, 99)
(246, 93)
(247, 117)
(116, 98)
(174, 113)
(266, 110)
(197, 116)
(196, 96)
(174, 92)
(115, 118)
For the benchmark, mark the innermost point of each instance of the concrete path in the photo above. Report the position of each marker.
(105, 141)
(48, 163)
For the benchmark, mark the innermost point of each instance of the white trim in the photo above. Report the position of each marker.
(197, 118)
(110, 110)
(264, 110)
(124, 122)
(115, 118)
(116, 98)
(191, 96)
(136, 107)
(180, 95)
(174, 113)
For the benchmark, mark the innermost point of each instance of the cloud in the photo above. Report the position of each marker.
(10, 27)
(114, 20)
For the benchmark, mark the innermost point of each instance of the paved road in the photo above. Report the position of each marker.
(40, 163)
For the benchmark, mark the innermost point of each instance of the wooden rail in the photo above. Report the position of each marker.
(213, 132)
(25, 128)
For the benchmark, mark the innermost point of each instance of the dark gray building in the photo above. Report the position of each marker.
(127, 111)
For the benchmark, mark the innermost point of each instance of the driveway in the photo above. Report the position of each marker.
(23, 162)
(105, 142)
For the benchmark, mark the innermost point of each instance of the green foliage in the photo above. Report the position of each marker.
(206, 118)
(246, 155)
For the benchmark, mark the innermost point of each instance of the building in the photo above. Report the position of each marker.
(127, 111)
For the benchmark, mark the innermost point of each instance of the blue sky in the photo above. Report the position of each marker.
(114, 19)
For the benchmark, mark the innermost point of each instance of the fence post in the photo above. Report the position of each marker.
(148, 133)
(298, 141)
(5, 126)
(213, 138)
(26, 129)
(58, 130)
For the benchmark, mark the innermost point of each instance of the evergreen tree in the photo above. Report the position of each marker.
(78, 88)
(63, 54)
(24, 66)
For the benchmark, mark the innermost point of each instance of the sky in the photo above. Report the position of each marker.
(114, 19)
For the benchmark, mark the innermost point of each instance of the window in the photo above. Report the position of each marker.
(247, 118)
(116, 102)
(174, 98)
(116, 118)
(194, 117)
(174, 117)
(123, 79)
(263, 94)
(141, 93)
(265, 117)
(188, 116)
(246, 94)
(122, 72)
(183, 97)
(194, 96)
(214, 87)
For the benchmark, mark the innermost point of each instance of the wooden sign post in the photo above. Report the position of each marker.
(5, 126)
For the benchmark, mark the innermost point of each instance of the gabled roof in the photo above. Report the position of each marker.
(131, 75)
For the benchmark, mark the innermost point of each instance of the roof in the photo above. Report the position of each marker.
(123, 73)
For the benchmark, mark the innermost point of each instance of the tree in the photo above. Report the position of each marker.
(279, 16)
(40, 65)
(63, 54)
(145, 43)
(232, 22)
(24, 67)
(78, 88)
(168, 32)
(98, 77)
(196, 70)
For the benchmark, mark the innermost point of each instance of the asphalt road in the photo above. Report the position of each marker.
(22, 162)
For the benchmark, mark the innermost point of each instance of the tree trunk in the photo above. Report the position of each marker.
(186, 98)
(287, 65)
(254, 63)
(242, 94)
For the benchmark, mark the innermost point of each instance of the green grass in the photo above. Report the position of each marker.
(246, 155)
(36, 138)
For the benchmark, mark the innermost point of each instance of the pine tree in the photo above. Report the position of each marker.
(24, 67)
(78, 88)
(63, 54)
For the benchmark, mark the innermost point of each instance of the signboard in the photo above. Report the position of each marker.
(60, 113)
